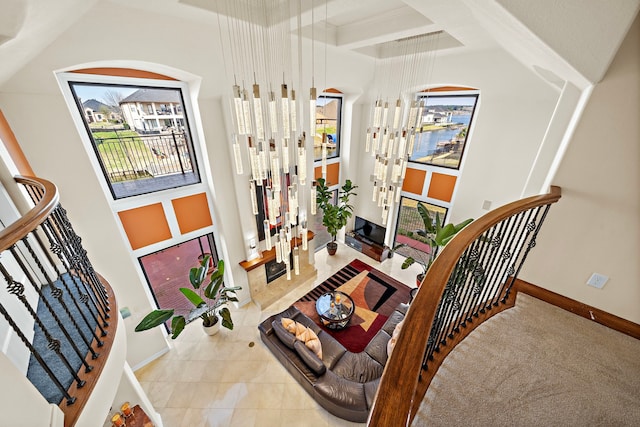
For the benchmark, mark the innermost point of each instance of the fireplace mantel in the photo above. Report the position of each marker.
(270, 255)
(264, 294)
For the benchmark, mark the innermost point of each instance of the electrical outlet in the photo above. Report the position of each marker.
(486, 205)
(597, 280)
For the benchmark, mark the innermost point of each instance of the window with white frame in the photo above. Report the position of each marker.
(443, 131)
(328, 123)
(139, 134)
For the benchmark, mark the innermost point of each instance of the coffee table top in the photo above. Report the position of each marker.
(335, 309)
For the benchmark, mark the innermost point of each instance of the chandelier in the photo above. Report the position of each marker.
(396, 114)
(267, 112)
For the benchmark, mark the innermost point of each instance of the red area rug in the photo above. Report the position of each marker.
(374, 293)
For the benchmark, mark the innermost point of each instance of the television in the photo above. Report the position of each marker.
(369, 231)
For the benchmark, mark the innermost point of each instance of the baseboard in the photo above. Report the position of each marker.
(150, 359)
(583, 310)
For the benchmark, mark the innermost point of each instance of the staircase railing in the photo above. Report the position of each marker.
(55, 303)
(470, 281)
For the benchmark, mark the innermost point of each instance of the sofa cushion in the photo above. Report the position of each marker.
(358, 367)
(332, 350)
(309, 357)
(395, 318)
(290, 331)
(285, 336)
(377, 348)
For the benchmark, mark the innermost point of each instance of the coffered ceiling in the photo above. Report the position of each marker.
(568, 40)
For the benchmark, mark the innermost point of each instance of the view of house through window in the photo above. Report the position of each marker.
(167, 271)
(140, 136)
(443, 131)
(409, 222)
(328, 116)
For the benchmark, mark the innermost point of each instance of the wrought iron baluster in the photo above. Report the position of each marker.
(59, 295)
(78, 261)
(58, 248)
(36, 354)
(17, 289)
(529, 246)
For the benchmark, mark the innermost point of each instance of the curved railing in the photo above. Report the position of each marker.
(55, 303)
(470, 281)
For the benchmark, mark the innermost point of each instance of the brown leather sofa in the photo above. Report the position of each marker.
(344, 383)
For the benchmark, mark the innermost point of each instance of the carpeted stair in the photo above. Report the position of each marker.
(35, 373)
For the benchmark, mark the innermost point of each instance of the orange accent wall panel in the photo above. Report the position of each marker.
(442, 186)
(123, 72)
(333, 173)
(145, 225)
(414, 181)
(192, 212)
(13, 148)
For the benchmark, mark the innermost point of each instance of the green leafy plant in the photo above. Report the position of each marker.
(334, 217)
(434, 234)
(209, 299)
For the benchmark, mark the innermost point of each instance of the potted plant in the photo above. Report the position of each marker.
(334, 217)
(434, 235)
(209, 298)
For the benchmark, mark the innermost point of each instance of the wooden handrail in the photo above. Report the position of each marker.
(72, 412)
(399, 394)
(36, 216)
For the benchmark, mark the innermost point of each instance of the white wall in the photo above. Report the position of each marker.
(595, 227)
(55, 150)
(512, 115)
(515, 108)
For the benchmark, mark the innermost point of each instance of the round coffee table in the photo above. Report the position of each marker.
(335, 309)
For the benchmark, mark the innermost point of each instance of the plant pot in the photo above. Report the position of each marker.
(419, 279)
(212, 330)
(332, 247)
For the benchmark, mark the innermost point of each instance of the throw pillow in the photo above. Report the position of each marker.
(394, 337)
(304, 334)
(289, 324)
(313, 343)
(285, 337)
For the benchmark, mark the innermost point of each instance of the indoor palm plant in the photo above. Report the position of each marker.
(334, 217)
(209, 299)
(434, 234)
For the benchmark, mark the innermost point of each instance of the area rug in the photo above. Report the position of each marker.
(375, 295)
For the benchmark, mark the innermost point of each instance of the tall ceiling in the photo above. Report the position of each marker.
(571, 40)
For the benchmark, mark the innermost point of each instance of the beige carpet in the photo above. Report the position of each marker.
(537, 365)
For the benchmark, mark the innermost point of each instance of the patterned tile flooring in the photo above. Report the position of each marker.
(224, 380)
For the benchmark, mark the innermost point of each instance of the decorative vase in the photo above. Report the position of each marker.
(212, 330)
(332, 247)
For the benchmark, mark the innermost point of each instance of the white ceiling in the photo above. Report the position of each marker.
(568, 40)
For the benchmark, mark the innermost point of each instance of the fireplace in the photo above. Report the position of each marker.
(274, 270)
(265, 275)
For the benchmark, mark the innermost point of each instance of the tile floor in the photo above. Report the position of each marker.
(231, 379)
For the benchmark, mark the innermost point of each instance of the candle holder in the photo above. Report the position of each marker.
(127, 409)
(118, 420)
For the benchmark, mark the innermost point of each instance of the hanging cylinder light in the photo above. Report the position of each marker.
(267, 235)
(296, 261)
(391, 133)
(266, 121)
(304, 236)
